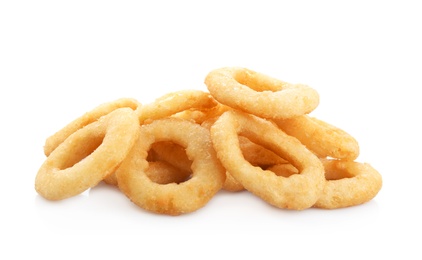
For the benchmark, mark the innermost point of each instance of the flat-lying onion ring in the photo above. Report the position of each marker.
(349, 183)
(53, 141)
(173, 103)
(259, 94)
(299, 191)
(208, 175)
(324, 139)
(88, 155)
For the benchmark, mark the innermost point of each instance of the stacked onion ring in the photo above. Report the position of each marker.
(250, 132)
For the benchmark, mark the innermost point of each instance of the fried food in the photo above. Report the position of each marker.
(88, 155)
(298, 192)
(259, 94)
(348, 183)
(173, 103)
(322, 138)
(172, 199)
(250, 132)
(89, 117)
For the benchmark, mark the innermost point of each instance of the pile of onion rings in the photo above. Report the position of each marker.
(248, 132)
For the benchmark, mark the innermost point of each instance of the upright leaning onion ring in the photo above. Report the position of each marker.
(259, 94)
(88, 155)
(172, 199)
(299, 191)
(255, 154)
(53, 141)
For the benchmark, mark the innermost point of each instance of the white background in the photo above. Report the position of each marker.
(59, 59)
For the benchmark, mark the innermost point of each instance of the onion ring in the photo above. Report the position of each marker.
(173, 103)
(208, 175)
(88, 155)
(324, 139)
(255, 154)
(53, 141)
(299, 191)
(259, 94)
(176, 156)
(349, 183)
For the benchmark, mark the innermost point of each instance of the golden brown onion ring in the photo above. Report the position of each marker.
(259, 94)
(172, 199)
(255, 154)
(88, 155)
(299, 191)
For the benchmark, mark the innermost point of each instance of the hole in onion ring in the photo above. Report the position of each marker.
(82, 151)
(298, 192)
(168, 163)
(338, 174)
(257, 82)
